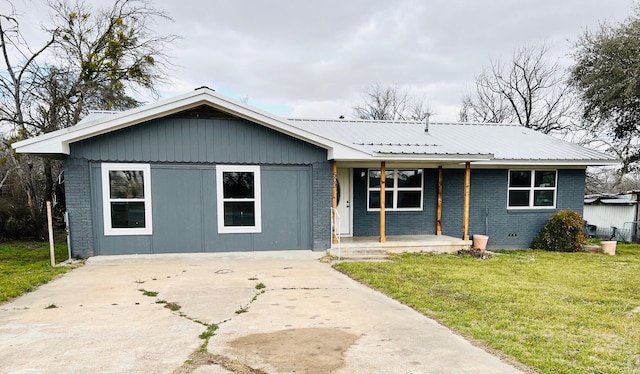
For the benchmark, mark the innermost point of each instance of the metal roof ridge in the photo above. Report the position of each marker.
(410, 122)
(354, 120)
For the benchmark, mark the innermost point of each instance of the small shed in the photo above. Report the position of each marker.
(607, 211)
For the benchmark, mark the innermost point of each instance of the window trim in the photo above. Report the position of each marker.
(532, 189)
(106, 200)
(395, 189)
(222, 229)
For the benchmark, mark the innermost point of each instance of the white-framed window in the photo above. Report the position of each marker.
(403, 189)
(126, 199)
(532, 189)
(238, 199)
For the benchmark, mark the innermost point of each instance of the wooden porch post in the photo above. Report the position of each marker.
(439, 207)
(467, 190)
(334, 203)
(383, 178)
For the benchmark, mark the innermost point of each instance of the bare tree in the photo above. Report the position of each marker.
(390, 103)
(93, 59)
(530, 90)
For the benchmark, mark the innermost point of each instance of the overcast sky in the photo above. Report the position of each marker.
(315, 58)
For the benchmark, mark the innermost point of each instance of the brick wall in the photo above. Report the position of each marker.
(488, 212)
(78, 198)
(512, 228)
(397, 223)
(322, 199)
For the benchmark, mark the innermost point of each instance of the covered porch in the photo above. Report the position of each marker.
(417, 228)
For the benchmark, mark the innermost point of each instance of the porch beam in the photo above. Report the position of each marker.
(383, 179)
(467, 191)
(439, 207)
(334, 203)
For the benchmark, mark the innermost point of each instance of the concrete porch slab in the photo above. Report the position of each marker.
(370, 246)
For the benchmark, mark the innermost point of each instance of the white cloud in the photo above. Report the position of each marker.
(315, 58)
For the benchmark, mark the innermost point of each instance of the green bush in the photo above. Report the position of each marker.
(563, 232)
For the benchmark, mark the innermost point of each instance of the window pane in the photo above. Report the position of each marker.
(374, 178)
(126, 184)
(520, 178)
(545, 178)
(239, 214)
(410, 178)
(238, 185)
(543, 198)
(409, 199)
(374, 199)
(389, 178)
(519, 198)
(127, 214)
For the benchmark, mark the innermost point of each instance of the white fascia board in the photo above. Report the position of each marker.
(434, 157)
(362, 156)
(582, 163)
(341, 153)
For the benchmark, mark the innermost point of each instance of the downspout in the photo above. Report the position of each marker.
(66, 224)
(486, 220)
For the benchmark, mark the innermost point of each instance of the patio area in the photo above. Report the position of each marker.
(370, 246)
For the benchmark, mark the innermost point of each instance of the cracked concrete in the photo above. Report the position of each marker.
(104, 324)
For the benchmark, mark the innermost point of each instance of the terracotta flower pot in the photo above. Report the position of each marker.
(609, 247)
(480, 241)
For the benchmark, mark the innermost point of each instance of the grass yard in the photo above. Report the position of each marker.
(26, 265)
(554, 312)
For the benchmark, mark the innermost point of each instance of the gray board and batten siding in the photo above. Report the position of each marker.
(182, 151)
(488, 213)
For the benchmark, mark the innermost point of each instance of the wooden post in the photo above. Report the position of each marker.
(439, 207)
(467, 191)
(334, 204)
(383, 179)
(50, 225)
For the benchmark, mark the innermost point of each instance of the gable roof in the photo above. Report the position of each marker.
(98, 123)
(349, 140)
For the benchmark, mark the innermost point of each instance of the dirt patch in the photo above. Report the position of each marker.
(309, 350)
(199, 358)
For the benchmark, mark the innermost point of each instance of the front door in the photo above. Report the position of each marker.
(344, 201)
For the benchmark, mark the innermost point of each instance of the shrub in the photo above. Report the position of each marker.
(563, 232)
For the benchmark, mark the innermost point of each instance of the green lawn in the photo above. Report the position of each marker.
(26, 265)
(554, 312)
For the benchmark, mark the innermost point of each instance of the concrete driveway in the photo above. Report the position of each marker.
(308, 318)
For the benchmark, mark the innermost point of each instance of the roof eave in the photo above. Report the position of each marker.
(411, 157)
(434, 157)
(508, 162)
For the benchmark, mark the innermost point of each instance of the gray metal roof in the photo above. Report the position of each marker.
(502, 141)
(620, 199)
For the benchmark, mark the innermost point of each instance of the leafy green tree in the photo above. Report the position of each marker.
(606, 74)
(94, 59)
